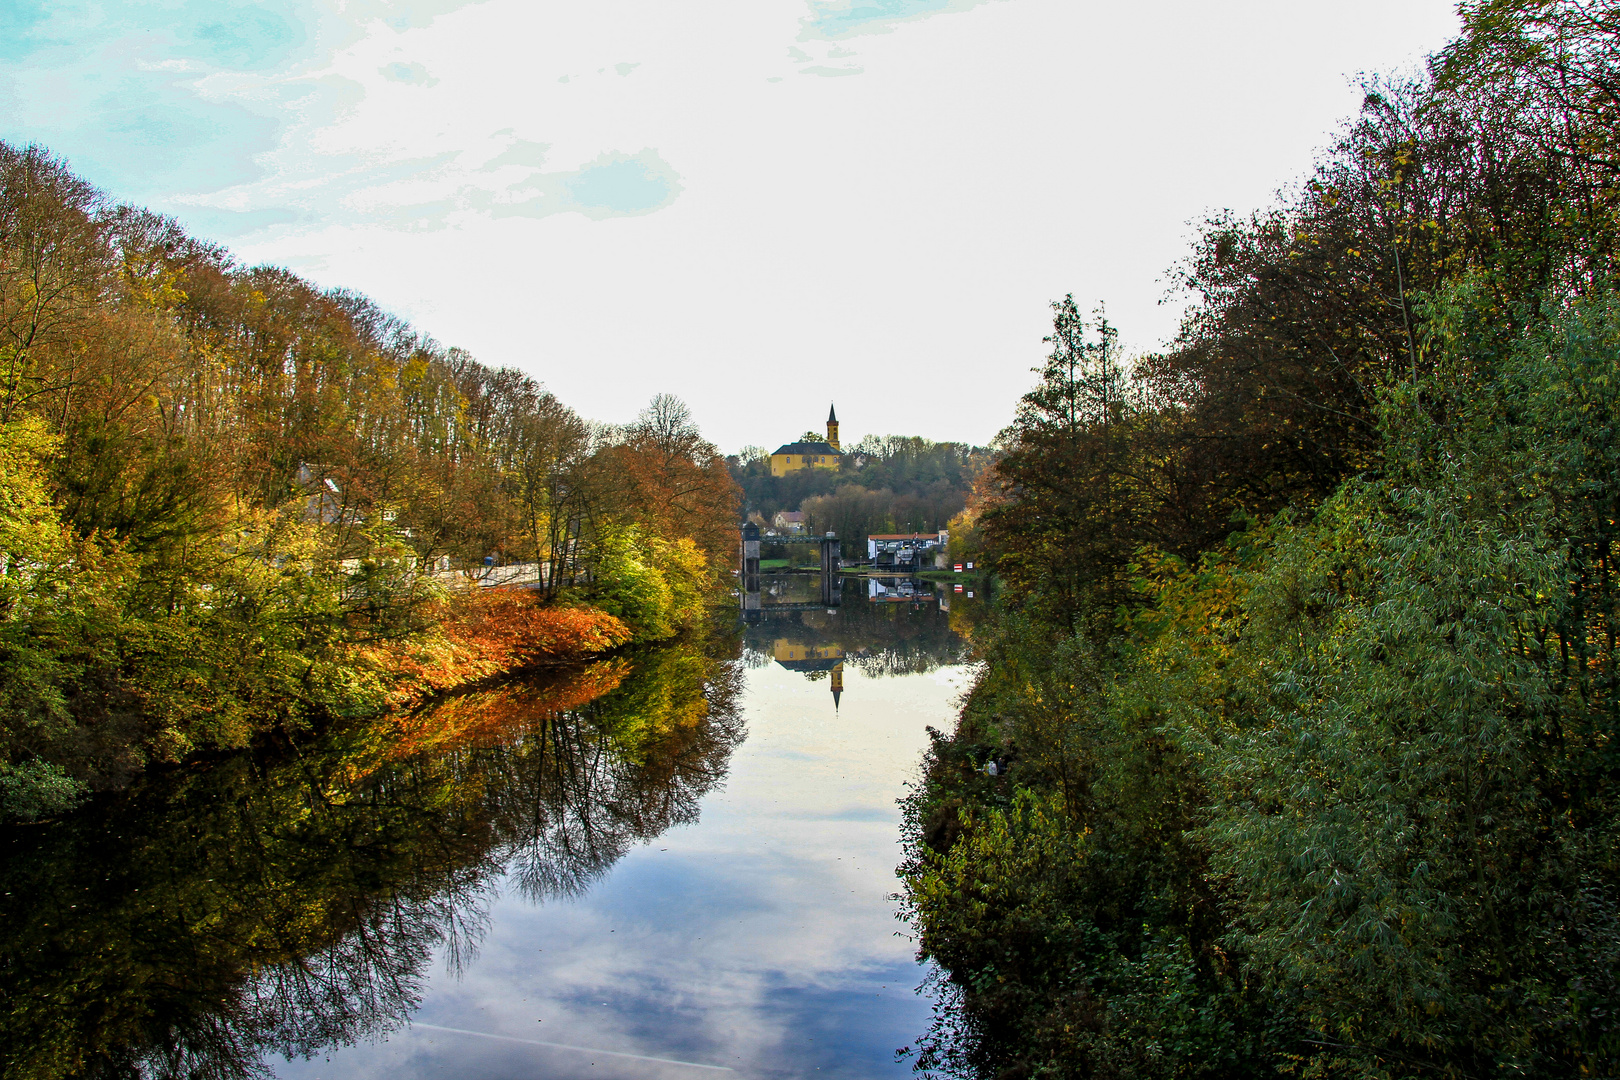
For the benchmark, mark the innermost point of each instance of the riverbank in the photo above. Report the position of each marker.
(488, 633)
(162, 692)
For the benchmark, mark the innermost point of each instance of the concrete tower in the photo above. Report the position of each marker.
(832, 429)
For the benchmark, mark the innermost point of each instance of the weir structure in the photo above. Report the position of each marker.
(749, 577)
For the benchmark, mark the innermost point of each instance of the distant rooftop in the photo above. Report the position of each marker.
(807, 448)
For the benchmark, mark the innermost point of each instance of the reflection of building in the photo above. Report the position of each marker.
(903, 551)
(809, 452)
(798, 656)
(894, 591)
(880, 638)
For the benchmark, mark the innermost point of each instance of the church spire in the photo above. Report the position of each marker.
(832, 429)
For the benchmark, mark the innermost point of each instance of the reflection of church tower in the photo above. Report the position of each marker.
(832, 428)
(838, 683)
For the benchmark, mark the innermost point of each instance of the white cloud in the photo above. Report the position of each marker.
(633, 196)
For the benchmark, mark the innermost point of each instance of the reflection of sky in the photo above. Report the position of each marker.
(761, 938)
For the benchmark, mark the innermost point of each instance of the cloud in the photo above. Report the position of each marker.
(519, 152)
(612, 185)
(409, 74)
(419, 193)
(616, 185)
(254, 115)
(832, 20)
(178, 97)
(241, 38)
(219, 33)
(840, 20)
(217, 222)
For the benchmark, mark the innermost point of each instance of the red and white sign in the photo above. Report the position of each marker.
(958, 568)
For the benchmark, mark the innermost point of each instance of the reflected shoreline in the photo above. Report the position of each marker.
(885, 626)
(293, 899)
(289, 901)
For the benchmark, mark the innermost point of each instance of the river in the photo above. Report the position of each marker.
(674, 863)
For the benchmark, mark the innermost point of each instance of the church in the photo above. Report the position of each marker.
(809, 452)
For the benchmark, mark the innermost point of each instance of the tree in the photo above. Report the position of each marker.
(1067, 519)
(679, 485)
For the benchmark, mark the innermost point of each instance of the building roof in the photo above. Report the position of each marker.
(788, 515)
(826, 663)
(832, 415)
(903, 536)
(807, 448)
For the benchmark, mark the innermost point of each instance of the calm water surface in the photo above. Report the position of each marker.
(674, 863)
(760, 938)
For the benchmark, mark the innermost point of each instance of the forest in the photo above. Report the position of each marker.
(233, 504)
(1292, 748)
(886, 484)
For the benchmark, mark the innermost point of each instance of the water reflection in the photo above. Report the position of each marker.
(290, 901)
(471, 889)
(897, 630)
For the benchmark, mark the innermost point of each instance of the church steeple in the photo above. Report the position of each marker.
(837, 683)
(832, 429)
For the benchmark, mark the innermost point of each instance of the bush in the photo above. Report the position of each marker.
(36, 789)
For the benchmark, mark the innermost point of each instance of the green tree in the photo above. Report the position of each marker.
(1065, 526)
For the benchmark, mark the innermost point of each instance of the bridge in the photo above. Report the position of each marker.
(830, 563)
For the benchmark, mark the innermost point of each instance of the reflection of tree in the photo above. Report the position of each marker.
(624, 769)
(290, 901)
(366, 983)
(879, 638)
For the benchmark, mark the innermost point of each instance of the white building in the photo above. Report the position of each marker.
(904, 551)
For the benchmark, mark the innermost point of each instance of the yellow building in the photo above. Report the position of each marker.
(797, 656)
(809, 452)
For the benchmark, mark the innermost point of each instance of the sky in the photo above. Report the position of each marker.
(761, 206)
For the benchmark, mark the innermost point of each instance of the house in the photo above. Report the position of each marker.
(809, 452)
(903, 551)
(790, 522)
(323, 502)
